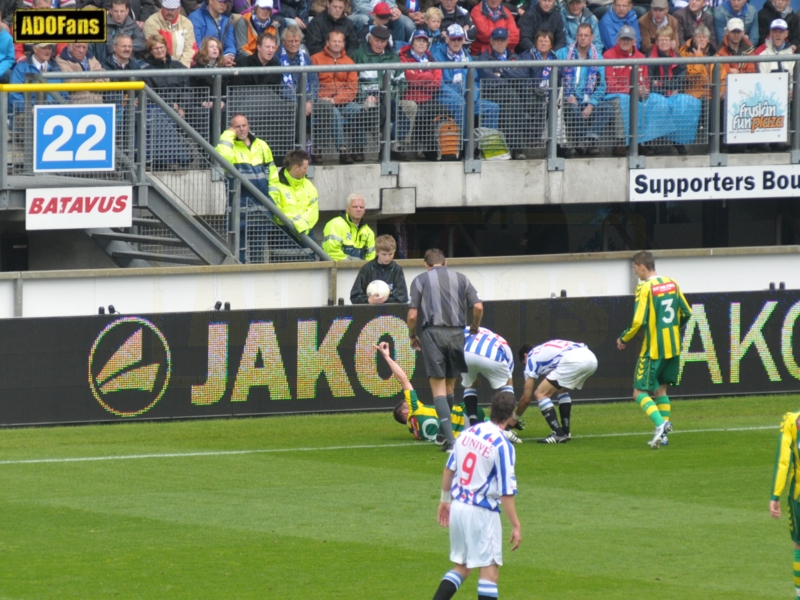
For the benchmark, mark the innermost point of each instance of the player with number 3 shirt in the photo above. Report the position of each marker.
(660, 311)
(478, 478)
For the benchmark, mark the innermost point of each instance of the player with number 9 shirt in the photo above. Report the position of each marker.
(661, 311)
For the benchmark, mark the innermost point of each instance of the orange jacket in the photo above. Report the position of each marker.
(745, 49)
(343, 86)
(698, 75)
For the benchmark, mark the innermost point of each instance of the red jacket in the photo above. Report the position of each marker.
(485, 24)
(618, 79)
(422, 84)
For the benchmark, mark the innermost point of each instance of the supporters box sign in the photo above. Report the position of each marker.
(78, 207)
(758, 108)
(213, 364)
(714, 183)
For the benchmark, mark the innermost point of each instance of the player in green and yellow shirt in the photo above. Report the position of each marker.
(660, 311)
(421, 419)
(787, 466)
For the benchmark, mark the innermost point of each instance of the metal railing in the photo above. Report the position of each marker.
(539, 121)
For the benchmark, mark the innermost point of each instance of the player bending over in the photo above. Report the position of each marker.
(661, 311)
(563, 366)
(422, 420)
(787, 464)
(487, 354)
(479, 476)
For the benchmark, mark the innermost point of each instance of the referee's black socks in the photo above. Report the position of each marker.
(443, 412)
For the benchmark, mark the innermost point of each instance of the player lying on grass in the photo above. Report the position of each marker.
(487, 354)
(563, 366)
(422, 420)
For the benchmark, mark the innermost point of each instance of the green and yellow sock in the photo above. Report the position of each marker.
(650, 409)
(662, 403)
(796, 567)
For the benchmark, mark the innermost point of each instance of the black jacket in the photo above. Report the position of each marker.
(251, 60)
(391, 274)
(177, 81)
(533, 21)
(318, 30)
(767, 15)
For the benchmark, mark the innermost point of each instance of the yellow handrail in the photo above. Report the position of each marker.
(91, 86)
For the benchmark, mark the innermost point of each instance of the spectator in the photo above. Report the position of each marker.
(672, 115)
(40, 61)
(574, 13)
(584, 110)
(655, 20)
(176, 29)
(252, 157)
(384, 268)
(158, 57)
(777, 44)
(21, 51)
(692, 16)
(208, 57)
(487, 16)
(122, 57)
(6, 55)
(292, 55)
(735, 43)
(778, 9)
(698, 75)
(419, 104)
(415, 10)
(618, 85)
(453, 14)
(542, 17)
(317, 7)
(209, 19)
(375, 51)
(614, 20)
(736, 9)
(141, 10)
(454, 81)
(539, 96)
(295, 195)
(264, 56)
(297, 11)
(502, 85)
(332, 19)
(75, 59)
(336, 109)
(252, 24)
(381, 15)
(433, 25)
(348, 237)
(119, 21)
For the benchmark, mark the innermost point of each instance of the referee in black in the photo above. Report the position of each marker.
(439, 301)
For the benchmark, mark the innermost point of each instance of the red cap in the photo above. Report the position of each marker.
(382, 10)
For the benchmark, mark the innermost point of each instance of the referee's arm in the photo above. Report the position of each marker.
(477, 315)
(411, 322)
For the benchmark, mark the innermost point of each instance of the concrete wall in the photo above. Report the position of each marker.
(186, 289)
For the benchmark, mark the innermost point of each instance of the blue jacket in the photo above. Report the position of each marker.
(724, 13)
(21, 69)
(511, 71)
(205, 25)
(6, 55)
(571, 27)
(440, 55)
(610, 25)
(600, 88)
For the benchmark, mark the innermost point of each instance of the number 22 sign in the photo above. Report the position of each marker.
(74, 138)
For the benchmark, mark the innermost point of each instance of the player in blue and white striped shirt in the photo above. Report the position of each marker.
(478, 478)
(487, 354)
(562, 366)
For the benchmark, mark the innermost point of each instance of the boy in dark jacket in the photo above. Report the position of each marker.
(384, 268)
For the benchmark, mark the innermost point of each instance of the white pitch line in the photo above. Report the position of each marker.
(30, 461)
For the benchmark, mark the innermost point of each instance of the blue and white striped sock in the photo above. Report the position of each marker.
(564, 398)
(454, 578)
(507, 388)
(545, 404)
(487, 589)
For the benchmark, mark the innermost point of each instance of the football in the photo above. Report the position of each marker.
(378, 288)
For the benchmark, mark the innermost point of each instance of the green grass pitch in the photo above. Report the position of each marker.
(344, 506)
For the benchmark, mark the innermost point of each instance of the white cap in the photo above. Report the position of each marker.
(264, 4)
(170, 4)
(778, 24)
(735, 25)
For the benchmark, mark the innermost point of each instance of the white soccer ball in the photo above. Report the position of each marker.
(378, 288)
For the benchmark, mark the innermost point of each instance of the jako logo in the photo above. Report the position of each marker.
(129, 366)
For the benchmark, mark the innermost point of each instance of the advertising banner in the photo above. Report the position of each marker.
(714, 183)
(193, 365)
(79, 208)
(757, 108)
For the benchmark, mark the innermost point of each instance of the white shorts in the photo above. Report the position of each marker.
(575, 368)
(476, 536)
(496, 372)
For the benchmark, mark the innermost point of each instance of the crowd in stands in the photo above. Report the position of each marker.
(237, 34)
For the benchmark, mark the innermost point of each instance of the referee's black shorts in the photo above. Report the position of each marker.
(443, 351)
